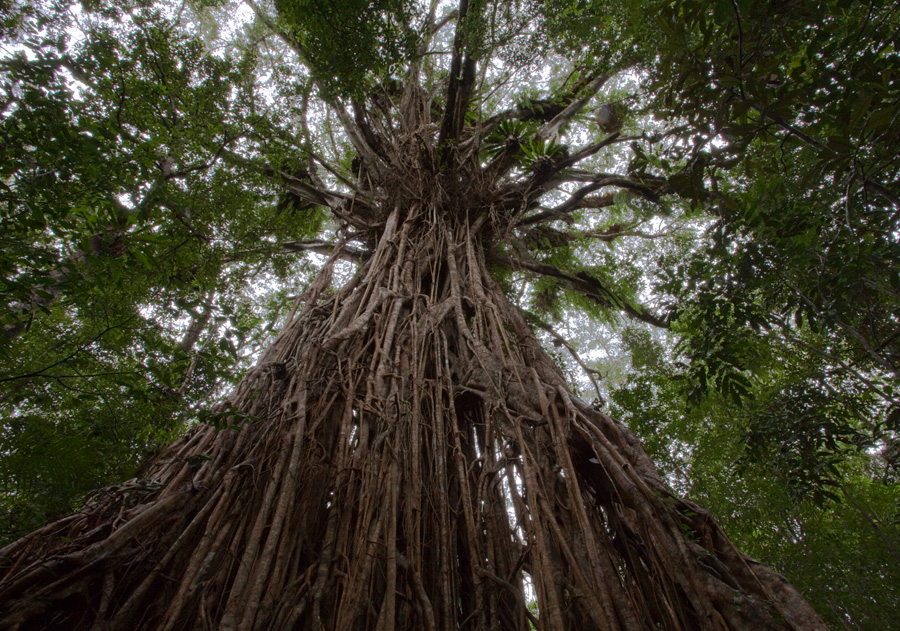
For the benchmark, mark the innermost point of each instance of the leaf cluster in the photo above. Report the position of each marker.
(380, 31)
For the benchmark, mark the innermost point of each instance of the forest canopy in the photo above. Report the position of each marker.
(693, 204)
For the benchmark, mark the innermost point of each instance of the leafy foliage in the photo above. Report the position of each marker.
(128, 247)
(791, 472)
(381, 33)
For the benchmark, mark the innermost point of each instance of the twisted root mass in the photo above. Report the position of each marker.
(405, 456)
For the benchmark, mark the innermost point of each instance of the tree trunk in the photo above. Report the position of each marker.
(405, 456)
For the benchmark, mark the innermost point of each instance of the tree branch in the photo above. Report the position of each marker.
(560, 340)
(866, 183)
(459, 90)
(285, 37)
(616, 231)
(325, 247)
(357, 138)
(589, 287)
(293, 184)
(570, 205)
(551, 129)
(579, 199)
(316, 246)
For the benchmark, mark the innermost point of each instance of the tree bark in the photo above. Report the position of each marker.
(404, 456)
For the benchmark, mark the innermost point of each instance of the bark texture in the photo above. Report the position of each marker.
(405, 456)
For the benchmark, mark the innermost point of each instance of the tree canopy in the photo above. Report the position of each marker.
(694, 204)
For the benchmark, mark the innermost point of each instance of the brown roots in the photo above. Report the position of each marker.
(405, 456)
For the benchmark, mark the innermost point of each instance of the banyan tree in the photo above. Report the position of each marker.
(406, 454)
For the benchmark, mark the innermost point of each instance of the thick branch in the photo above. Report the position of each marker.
(573, 203)
(324, 247)
(551, 129)
(302, 189)
(616, 231)
(357, 138)
(459, 90)
(316, 246)
(563, 210)
(579, 199)
(589, 287)
(650, 188)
